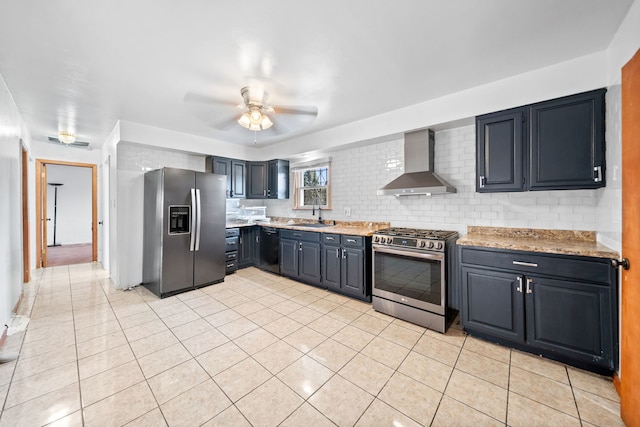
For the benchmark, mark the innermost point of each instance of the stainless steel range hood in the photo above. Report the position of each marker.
(418, 177)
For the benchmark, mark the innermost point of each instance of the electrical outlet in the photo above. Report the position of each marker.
(347, 211)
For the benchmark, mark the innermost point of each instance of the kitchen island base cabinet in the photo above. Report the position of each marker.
(560, 306)
(300, 256)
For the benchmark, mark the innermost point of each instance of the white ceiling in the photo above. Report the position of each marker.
(83, 65)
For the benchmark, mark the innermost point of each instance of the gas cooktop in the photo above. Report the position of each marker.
(416, 232)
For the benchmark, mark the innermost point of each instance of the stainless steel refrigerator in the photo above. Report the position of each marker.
(184, 230)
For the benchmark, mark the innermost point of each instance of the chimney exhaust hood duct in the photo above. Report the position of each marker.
(418, 177)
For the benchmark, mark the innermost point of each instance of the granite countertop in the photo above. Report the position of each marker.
(566, 242)
(355, 228)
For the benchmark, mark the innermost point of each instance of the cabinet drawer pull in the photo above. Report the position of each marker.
(329, 238)
(351, 240)
(229, 265)
(519, 288)
(529, 283)
(525, 264)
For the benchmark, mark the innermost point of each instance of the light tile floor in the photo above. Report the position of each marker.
(263, 350)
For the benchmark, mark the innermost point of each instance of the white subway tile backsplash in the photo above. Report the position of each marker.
(357, 173)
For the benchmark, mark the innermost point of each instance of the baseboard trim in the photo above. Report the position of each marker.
(17, 306)
(3, 338)
(616, 383)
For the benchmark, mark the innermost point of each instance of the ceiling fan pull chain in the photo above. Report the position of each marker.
(255, 136)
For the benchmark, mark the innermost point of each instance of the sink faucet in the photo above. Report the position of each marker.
(313, 210)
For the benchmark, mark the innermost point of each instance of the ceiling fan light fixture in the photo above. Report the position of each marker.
(266, 122)
(255, 120)
(256, 115)
(245, 120)
(66, 137)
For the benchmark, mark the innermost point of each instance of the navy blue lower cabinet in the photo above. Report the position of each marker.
(571, 318)
(346, 265)
(492, 303)
(559, 306)
(300, 256)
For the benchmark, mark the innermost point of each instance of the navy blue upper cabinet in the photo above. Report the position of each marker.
(552, 145)
(499, 156)
(567, 142)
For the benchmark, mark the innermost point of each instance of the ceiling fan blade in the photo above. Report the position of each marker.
(203, 99)
(294, 109)
(215, 113)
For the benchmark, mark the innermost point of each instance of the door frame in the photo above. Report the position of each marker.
(26, 247)
(41, 197)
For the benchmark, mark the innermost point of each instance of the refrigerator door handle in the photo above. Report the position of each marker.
(192, 243)
(198, 218)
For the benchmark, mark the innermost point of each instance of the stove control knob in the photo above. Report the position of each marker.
(376, 239)
(389, 240)
(383, 239)
(430, 245)
(440, 245)
(422, 243)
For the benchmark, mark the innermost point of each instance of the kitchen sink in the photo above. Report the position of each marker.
(312, 225)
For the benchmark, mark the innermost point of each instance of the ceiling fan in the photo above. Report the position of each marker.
(68, 140)
(255, 113)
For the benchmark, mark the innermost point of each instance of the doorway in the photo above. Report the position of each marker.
(66, 211)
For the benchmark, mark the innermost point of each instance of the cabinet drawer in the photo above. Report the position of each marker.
(232, 232)
(231, 266)
(331, 239)
(231, 256)
(307, 236)
(572, 267)
(353, 241)
(231, 244)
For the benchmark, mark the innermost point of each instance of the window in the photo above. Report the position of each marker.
(312, 187)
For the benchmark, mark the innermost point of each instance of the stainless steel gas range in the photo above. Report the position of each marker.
(411, 271)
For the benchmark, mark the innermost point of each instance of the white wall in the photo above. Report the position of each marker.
(609, 202)
(133, 161)
(11, 132)
(73, 214)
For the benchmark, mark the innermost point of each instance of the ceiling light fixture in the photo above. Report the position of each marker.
(255, 119)
(66, 137)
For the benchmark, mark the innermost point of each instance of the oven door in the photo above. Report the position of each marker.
(409, 277)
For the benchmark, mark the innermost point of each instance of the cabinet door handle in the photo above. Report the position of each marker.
(529, 283)
(483, 179)
(268, 192)
(337, 252)
(525, 264)
(264, 193)
(300, 246)
(519, 288)
(598, 174)
(344, 254)
(257, 239)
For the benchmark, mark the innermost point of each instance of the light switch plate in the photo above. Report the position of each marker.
(347, 211)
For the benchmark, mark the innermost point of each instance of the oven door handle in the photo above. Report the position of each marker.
(406, 252)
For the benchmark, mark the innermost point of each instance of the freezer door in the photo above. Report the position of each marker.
(209, 265)
(177, 258)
